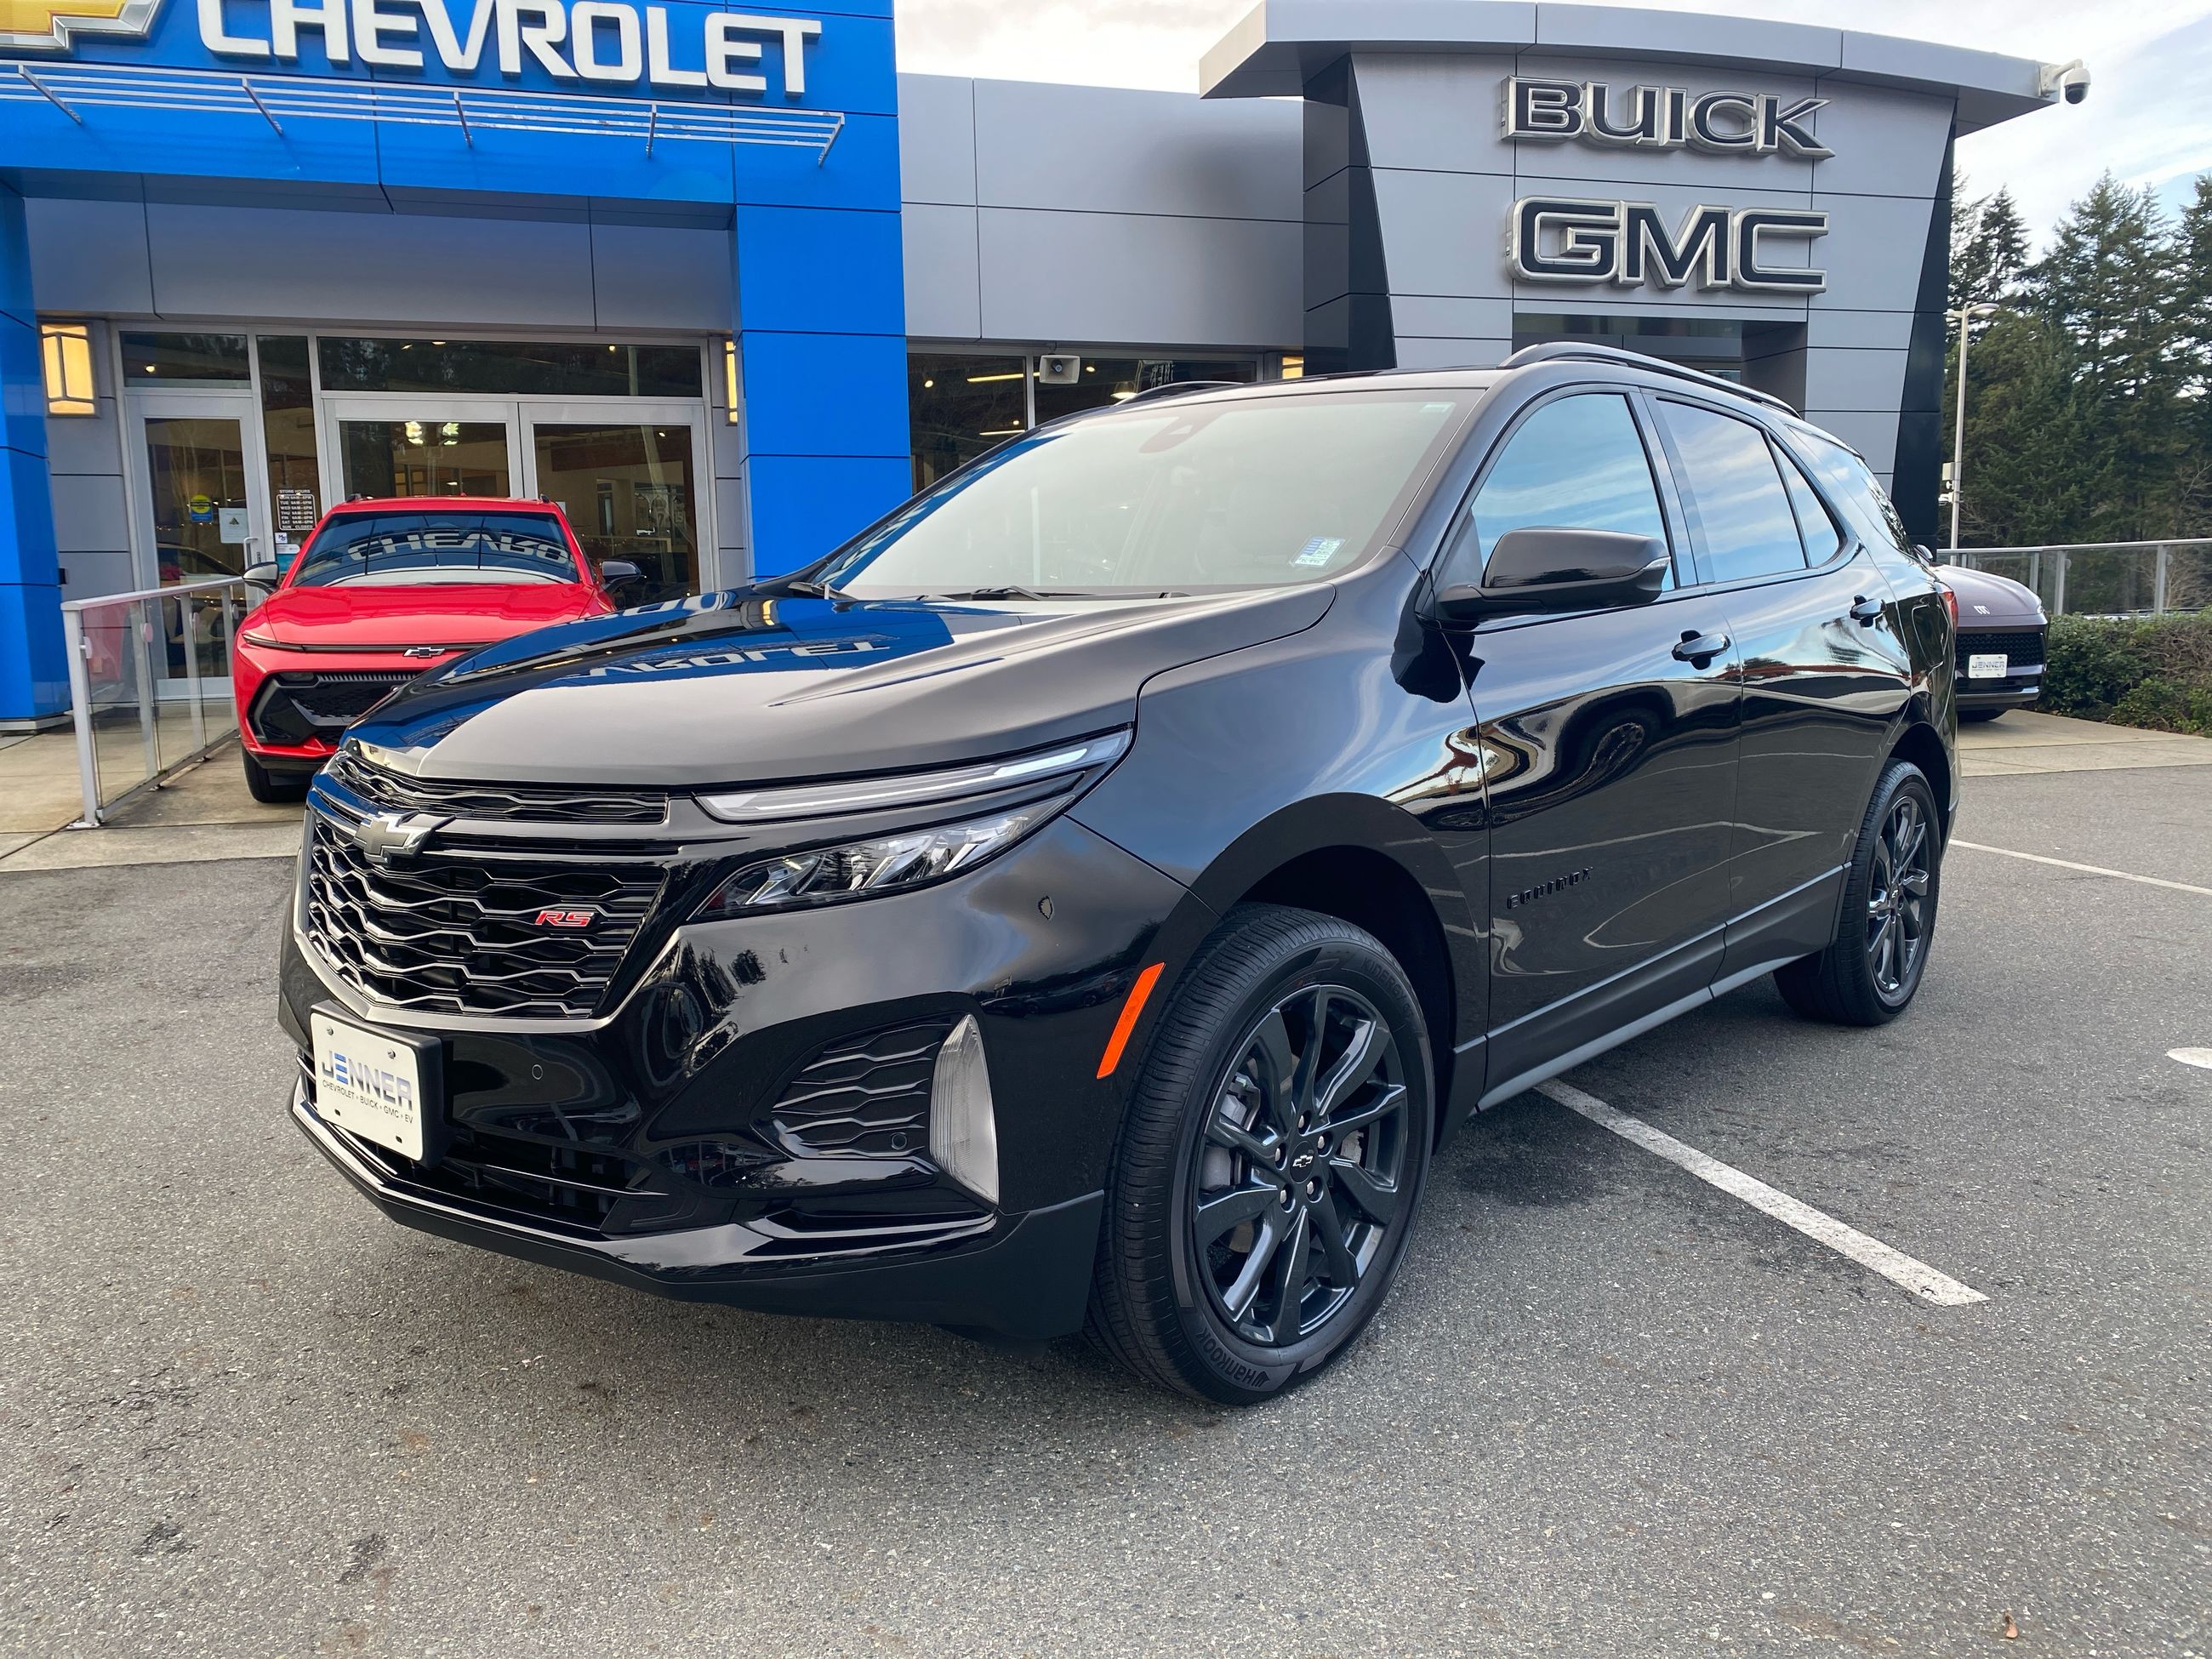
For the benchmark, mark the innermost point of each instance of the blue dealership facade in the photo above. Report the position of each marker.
(728, 286)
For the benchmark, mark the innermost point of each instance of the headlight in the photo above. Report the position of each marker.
(819, 800)
(862, 868)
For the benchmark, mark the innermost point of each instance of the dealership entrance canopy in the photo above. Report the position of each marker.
(728, 286)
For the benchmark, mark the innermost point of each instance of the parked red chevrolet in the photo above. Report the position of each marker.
(384, 590)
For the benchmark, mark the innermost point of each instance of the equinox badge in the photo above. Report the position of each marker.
(391, 836)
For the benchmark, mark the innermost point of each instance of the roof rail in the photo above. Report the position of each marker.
(1177, 389)
(1563, 352)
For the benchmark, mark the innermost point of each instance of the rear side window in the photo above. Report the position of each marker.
(1741, 503)
(1822, 539)
(1577, 464)
(1862, 493)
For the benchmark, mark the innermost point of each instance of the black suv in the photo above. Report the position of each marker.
(1096, 891)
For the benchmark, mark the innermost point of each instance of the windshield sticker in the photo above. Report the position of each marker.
(1318, 551)
(1436, 408)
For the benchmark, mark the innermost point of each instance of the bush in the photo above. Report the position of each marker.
(2151, 672)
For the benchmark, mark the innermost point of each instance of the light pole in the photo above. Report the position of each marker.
(1964, 315)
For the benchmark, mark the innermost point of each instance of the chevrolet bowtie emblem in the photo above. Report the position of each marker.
(391, 836)
(52, 24)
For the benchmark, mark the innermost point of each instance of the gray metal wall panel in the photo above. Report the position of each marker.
(1421, 352)
(650, 276)
(1886, 331)
(89, 256)
(943, 288)
(1452, 318)
(1114, 277)
(87, 575)
(1443, 232)
(1112, 150)
(371, 267)
(1439, 113)
(90, 513)
(1872, 250)
(87, 443)
(937, 139)
(1838, 378)
(1886, 143)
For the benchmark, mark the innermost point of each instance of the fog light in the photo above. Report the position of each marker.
(963, 1132)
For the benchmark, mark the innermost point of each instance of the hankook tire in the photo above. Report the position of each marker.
(1270, 1161)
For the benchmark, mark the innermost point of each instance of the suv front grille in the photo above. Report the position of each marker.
(865, 1097)
(458, 931)
(296, 706)
(2024, 646)
(521, 803)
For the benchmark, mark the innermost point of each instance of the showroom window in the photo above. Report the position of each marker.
(288, 426)
(583, 368)
(186, 359)
(959, 406)
(67, 349)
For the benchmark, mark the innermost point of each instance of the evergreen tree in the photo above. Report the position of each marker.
(2193, 351)
(1990, 256)
(2110, 284)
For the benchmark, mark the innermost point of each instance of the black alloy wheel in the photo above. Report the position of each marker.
(1897, 905)
(1870, 972)
(1300, 1167)
(1271, 1159)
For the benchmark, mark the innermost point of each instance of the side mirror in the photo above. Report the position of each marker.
(1549, 568)
(619, 573)
(264, 575)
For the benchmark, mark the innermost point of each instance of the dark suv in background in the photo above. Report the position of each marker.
(1096, 890)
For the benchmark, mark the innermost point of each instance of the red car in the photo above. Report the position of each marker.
(383, 591)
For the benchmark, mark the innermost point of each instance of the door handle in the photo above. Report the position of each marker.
(1699, 649)
(1866, 612)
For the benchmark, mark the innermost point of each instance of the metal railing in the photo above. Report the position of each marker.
(134, 726)
(2104, 578)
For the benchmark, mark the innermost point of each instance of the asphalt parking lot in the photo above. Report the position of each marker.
(1608, 1410)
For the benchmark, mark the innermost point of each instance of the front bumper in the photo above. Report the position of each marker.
(667, 1141)
(1024, 1278)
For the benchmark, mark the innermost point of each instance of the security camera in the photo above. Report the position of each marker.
(1059, 371)
(2067, 81)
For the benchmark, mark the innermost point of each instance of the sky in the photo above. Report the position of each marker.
(2149, 117)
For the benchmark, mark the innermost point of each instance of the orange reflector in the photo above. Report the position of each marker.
(1127, 1023)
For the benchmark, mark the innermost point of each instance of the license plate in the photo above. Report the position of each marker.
(376, 1084)
(1992, 666)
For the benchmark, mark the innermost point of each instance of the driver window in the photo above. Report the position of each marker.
(1577, 464)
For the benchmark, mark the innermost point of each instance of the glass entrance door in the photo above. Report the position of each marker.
(201, 513)
(386, 445)
(629, 488)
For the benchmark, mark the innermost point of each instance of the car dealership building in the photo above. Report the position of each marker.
(727, 286)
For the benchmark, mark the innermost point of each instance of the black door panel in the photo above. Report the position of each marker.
(1823, 685)
(1612, 788)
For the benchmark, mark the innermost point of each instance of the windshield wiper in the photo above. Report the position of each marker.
(813, 590)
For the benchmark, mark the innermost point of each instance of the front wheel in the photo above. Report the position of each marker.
(1871, 971)
(1268, 1167)
(272, 789)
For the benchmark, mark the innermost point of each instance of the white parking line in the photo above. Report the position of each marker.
(1900, 1269)
(2086, 869)
(2202, 1057)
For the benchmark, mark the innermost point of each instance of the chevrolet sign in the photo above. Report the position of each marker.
(609, 42)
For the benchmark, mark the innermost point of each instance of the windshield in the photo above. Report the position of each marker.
(412, 549)
(1256, 492)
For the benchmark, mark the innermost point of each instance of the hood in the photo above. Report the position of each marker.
(743, 688)
(363, 617)
(1985, 600)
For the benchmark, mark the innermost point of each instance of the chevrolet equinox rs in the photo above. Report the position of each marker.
(1093, 893)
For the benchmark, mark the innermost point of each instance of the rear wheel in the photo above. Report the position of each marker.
(1267, 1171)
(272, 789)
(1870, 975)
